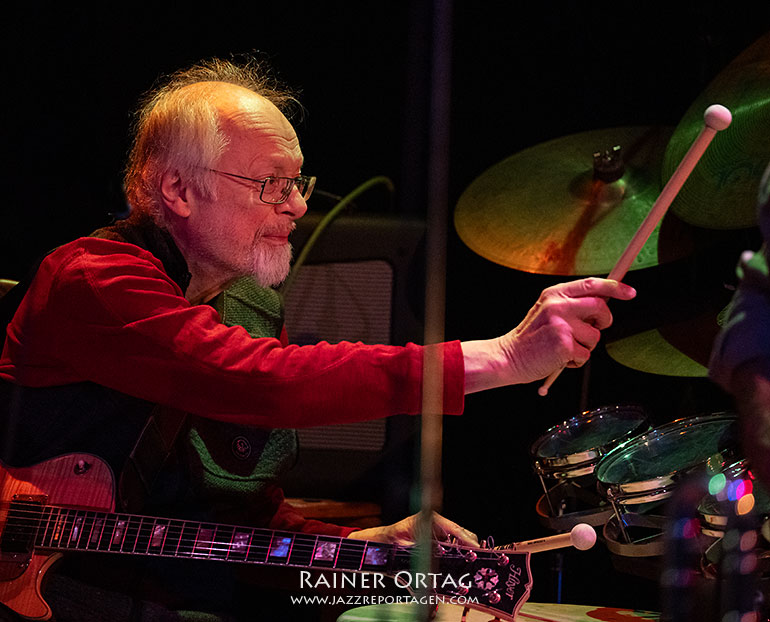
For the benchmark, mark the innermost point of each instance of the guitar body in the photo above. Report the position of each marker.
(74, 480)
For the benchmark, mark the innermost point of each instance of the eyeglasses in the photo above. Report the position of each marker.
(277, 190)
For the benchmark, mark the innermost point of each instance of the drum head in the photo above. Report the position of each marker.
(572, 448)
(645, 468)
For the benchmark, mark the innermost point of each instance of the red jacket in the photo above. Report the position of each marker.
(93, 297)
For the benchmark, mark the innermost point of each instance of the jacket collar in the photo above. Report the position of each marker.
(142, 231)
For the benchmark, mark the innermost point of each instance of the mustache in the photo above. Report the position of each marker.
(276, 229)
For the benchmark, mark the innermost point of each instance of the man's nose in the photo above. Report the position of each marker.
(295, 206)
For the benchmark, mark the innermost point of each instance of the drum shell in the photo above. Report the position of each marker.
(706, 457)
(566, 463)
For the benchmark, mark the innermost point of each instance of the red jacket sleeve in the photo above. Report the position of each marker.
(94, 298)
(287, 518)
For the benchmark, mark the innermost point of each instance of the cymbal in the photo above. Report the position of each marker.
(542, 211)
(681, 348)
(6, 285)
(721, 192)
(651, 353)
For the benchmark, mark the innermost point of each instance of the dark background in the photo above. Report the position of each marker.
(523, 73)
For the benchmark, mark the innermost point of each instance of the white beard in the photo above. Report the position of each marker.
(267, 263)
(270, 263)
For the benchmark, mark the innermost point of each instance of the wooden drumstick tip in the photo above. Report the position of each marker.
(543, 389)
(717, 117)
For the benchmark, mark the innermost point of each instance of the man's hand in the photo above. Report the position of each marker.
(404, 532)
(560, 330)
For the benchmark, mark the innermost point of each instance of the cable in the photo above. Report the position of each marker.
(327, 220)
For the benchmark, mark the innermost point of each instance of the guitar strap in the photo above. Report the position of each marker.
(156, 440)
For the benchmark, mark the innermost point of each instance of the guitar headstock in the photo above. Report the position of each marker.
(493, 581)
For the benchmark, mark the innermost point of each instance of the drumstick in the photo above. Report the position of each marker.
(582, 537)
(716, 118)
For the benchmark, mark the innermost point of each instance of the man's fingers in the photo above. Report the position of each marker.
(592, 310)
(593, 286)
(580, 356)
(443, 528)
(586, 335)
(404, 532)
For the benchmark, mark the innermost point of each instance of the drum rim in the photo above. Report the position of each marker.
(653, 546)
(630, 492)
(545, 464)
(596, 517)
(715, 520)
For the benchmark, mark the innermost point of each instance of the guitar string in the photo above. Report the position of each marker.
(35, 513)
(302, 545)
(216, 550)
(142, 533)
(67, 518)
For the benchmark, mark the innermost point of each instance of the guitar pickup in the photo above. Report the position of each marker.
(17, 539)
(39, 499)
(20, 525)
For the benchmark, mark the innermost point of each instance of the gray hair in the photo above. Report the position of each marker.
(179, 129)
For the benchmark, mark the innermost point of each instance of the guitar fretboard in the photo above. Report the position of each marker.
(51, 527)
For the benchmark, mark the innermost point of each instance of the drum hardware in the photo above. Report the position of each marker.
(721, 504)
(635, 535)
(645, 470)
(594, 510)
(713, 555)
(568, 454)
(573, 448)
(733, 512)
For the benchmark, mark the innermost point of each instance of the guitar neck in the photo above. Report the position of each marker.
(68, 529)
(65, 504)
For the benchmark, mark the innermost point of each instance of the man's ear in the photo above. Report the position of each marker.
(174, 193)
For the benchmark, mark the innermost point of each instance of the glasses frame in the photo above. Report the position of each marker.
(297, 182)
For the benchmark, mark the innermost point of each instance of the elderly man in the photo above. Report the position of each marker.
(129, 322)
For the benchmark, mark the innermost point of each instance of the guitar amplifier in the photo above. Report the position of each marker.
(362, 281)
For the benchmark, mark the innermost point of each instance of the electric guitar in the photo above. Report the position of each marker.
(67, 504)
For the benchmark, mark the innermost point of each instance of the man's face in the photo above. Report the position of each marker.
(236, 233)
